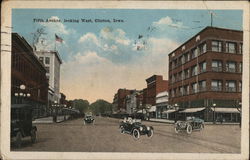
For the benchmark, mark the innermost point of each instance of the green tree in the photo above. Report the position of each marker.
(101, 107)
(81, 105)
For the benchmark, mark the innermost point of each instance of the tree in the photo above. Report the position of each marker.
(81, 105)
(101, 107)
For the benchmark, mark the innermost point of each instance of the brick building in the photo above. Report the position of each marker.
(27, 70)
(205, 74)
(155, 85)
(120, 100)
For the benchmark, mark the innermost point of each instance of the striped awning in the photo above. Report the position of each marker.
(191, 110)
(225, 110)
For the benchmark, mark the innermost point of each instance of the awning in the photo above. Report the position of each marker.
(226, 110)
(191, 110)
(140, 111)
(152, 109)
(169, 111)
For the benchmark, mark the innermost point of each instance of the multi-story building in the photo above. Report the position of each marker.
(52, 62)
(132, 102)
(205, 74)
(162, 105)
(28, 77)
(155, 85)
(120, 99)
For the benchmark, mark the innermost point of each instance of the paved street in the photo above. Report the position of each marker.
(105, 136)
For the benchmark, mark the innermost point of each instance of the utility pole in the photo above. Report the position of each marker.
(211, 19)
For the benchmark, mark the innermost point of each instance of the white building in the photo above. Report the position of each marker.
(162, 105)
(131, 102)
(52, 62)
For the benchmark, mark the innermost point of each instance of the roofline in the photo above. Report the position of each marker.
(208, 27)
(52, 51)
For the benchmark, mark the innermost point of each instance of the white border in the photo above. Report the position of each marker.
(5, 78)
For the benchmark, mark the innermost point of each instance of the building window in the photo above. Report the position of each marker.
(194, 70)
(240, 48)
(172, 93)
(202, 86)
(230, 47)
(231, 66)
(194, 88)
(217, 66)
(182, 59)
(203, 48)
(240, 67)
(47, 69)
(187, 57)
(203, 67)
(216, 85)
(216, 46)
(41, 59)
(240, 86)
(194, 53)
(181, 91)
(47, 60)
(186, 90)
(230, 86)
(186, 73)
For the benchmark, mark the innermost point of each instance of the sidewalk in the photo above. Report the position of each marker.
(49, 119)
(161, 120)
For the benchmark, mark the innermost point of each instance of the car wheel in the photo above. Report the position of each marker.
(18, 141)
(176, 129)
(136, 134)
(150, 133)
(121, 129)
(33, 136)
(189, 129)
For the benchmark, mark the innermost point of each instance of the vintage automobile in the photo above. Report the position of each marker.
(191, 124)
(21, 124)
(135, 128)
(88, 119)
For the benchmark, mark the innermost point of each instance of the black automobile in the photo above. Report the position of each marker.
(135, 128)
(21, 124)
(88, 119)
(191, 124)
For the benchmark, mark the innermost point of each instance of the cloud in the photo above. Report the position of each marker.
(89, 37)
(169, 22)
(117, 36)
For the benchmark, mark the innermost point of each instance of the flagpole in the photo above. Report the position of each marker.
(55, 42)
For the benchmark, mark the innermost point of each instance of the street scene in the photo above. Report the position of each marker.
(105, 136)
(108, 80)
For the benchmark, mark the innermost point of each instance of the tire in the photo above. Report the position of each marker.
(189, 129)
(33, 136)
(18, 141)
(136, 134)
(150, 133)
(122, 130)
(176, 129)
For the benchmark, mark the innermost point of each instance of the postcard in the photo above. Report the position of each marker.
(125, 80)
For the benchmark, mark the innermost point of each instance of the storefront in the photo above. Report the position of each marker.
(226, 114)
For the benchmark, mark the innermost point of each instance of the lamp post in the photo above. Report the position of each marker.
(214, 105)
(20, 95)
(176, 108)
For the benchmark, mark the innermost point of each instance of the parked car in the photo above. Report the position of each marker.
(191, 124)
(135, 128)
(21, 124)
(89, 119)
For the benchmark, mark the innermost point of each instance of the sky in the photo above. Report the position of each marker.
(101, 57)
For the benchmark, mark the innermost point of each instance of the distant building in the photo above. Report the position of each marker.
(27, 70)
(132, 102)
(119, 100)
(205, 74)
(162, 105)
(52, 62)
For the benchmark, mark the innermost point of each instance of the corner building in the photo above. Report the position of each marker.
(205, 75)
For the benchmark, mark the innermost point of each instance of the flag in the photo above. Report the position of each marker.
(59, 39)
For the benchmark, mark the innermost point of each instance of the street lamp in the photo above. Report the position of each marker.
(176, 108)
(21, 94)
(214, 105)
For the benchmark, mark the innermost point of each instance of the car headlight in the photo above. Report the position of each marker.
(141, 128)
(148, 128)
